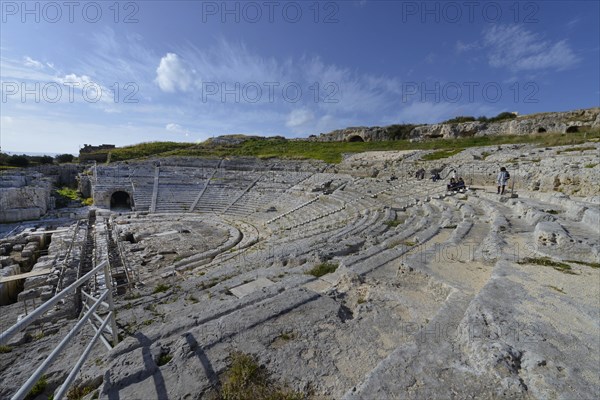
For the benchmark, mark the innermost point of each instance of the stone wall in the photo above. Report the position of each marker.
(24, 195)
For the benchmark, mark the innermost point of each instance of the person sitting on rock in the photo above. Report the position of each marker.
(460, 184)
(452, 184)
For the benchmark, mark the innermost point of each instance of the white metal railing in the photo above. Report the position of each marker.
(104, 299)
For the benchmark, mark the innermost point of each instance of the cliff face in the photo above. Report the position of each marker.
(560, 122)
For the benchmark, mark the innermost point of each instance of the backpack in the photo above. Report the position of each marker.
(507, 175)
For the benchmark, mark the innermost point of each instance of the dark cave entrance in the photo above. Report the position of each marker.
(355, 139)
(572, 129)
(121, 201)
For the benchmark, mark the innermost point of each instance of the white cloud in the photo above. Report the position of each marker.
(327, 87)
(572, 23)
(76, 80)
(30, 62)
(176, 128)
(518, 49)
(300, 118)
(172, 75)
(462, 47)
(173, 127)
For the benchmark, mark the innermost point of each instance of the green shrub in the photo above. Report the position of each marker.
(64, 158)
(161, 287)
(322, 269)
(502, 117)
(5, 349)
(18, 161)
(79, 392)
(69, 193)
(457, 120)
(38, 388)
(164, 359)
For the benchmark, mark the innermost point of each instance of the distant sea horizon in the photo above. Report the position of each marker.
(33, 153)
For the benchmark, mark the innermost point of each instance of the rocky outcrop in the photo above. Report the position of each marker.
(359, 134)
(559, 122)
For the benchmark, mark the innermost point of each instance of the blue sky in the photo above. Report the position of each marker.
(93, 72)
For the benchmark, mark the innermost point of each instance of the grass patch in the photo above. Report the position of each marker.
(485, 154)
(192, 299)
(147, 149)
(161, 287)
(322, 269)
(246, 380)
(589, 264)
(572, 149)
(164, 359)
(332, 152)
(89, 201)
(5, 349)
(409, 243)
(287, 336)
(79, 392)
(392, 224)
(553, 212)
(547, 262)
(559, 290)
(38, 388)
(438, 155)
(589, 165)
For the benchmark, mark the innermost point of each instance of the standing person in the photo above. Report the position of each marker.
(502, 179)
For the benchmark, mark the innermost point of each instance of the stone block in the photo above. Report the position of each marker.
(28, 294)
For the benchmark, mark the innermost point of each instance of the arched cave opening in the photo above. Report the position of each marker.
(541, 130)
(120, 201)
(572, 129)
(355, 138)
